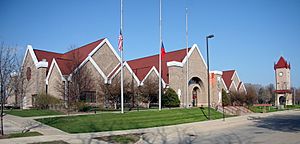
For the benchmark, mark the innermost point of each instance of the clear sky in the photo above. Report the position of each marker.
(250, 35)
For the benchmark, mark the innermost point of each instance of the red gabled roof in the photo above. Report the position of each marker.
(65, 60)
(282, 63)
(227, 77)
(142, 66)
(65, 65)
(41, 54)
(82, 52)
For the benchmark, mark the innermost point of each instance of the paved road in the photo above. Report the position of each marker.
(279, 127)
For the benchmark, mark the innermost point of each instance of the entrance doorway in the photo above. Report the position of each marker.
(282, 100)
(194, 93)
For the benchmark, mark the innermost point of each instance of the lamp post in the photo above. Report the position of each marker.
(208, 77)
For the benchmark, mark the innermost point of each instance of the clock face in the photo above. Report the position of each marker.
(280, 74)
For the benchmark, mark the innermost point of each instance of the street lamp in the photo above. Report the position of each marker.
(208, 78)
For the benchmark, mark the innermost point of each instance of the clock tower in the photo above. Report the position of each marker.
(283, 93)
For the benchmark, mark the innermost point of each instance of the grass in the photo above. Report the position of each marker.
(293, 106)
(32, 112)
(51, 142)
(129, 120)
(262, 109)
(16, 135)
(122, 139)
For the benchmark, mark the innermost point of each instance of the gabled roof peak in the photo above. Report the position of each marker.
(64, 59)
(282, 63)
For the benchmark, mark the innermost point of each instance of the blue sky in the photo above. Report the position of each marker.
(250, 35)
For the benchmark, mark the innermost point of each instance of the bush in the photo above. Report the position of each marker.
(170, 98)
(225, 98)
(83, 107)
(43, 101)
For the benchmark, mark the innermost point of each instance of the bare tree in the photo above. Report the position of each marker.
(297, 97)
(78, 81)
(270, 88)
(149, 91)
(112, 93)
(251, 96)
(18, 85)
(7, 67)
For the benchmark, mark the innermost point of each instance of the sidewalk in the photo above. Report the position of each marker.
(21, 123)
(152, 135)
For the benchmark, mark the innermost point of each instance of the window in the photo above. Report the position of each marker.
(88, 96)
(28, 73)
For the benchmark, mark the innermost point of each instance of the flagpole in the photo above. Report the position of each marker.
(160, 40)
(187, 60)
(122, 87)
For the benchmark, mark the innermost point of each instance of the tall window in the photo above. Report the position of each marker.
(88, 96)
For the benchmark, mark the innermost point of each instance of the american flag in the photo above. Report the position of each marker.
(120, 43)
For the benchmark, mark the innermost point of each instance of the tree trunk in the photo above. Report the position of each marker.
(2, 107)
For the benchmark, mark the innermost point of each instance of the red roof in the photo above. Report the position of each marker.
(142, 66)
(282, 91)
(227, 75)
(65, 60)
(40, 55)
(66, 66)
(282, 63)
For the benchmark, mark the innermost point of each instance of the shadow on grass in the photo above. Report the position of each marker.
(202, 110)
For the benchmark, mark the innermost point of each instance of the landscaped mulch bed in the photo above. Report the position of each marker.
(121, 139)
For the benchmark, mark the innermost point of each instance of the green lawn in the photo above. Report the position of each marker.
(293, 106)
(32, 112)
(262, 109)
(129, 120)
(16, 135)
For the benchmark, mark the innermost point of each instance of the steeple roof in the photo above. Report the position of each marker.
(282, 63)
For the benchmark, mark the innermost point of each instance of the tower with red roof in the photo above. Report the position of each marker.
(283, 82)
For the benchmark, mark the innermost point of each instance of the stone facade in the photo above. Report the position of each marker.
(105, 59)
(283, 83)
(103, 64)
(54, 83)
(217, 85)
(35, 78)
(197, 87)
